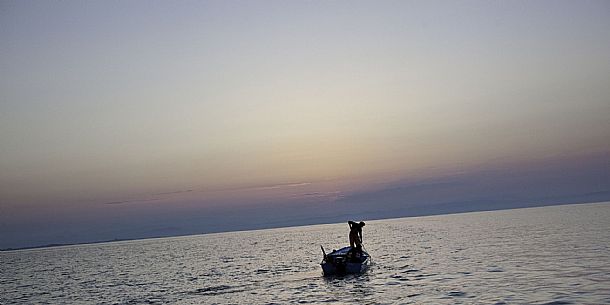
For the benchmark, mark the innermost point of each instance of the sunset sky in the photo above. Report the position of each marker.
(118, 115)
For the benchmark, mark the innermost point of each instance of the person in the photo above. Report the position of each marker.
(355, 234)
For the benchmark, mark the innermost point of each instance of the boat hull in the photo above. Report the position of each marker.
(339, 262)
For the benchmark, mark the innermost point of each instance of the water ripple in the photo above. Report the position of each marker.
(544, 256)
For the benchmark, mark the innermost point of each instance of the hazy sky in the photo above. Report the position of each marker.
(221, 101)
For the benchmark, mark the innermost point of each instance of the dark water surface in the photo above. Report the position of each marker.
(549, 255)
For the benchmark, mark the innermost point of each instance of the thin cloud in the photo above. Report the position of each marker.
(130, 201)
(157, 196)
(334, 195)
(174, 192)
(165, 195)
(279, 186)
(261, 187)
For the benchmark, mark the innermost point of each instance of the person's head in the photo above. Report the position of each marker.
(362, 223)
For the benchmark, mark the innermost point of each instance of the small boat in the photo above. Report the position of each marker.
(345, 261)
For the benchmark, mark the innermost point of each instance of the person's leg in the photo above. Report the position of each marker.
(351, 240)
(358, 243)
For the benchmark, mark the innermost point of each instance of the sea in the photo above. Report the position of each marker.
(544, 255)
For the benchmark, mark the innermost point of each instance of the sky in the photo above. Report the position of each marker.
(130, 119)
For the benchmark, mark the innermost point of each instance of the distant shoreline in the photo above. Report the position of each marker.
(68, 244)
(54, 245)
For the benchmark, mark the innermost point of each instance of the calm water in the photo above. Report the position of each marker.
(550, 255)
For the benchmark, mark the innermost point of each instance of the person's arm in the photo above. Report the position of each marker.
(360, 233)
(351, 223)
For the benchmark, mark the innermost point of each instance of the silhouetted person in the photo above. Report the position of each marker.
(355, 234)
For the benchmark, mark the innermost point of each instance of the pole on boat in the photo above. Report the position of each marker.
(323, 252)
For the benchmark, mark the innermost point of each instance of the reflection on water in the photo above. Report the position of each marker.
(552, 255)
(351, 288)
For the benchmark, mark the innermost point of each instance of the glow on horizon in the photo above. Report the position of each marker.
(106, 100)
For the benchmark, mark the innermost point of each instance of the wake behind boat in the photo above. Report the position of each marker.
(346, 260)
